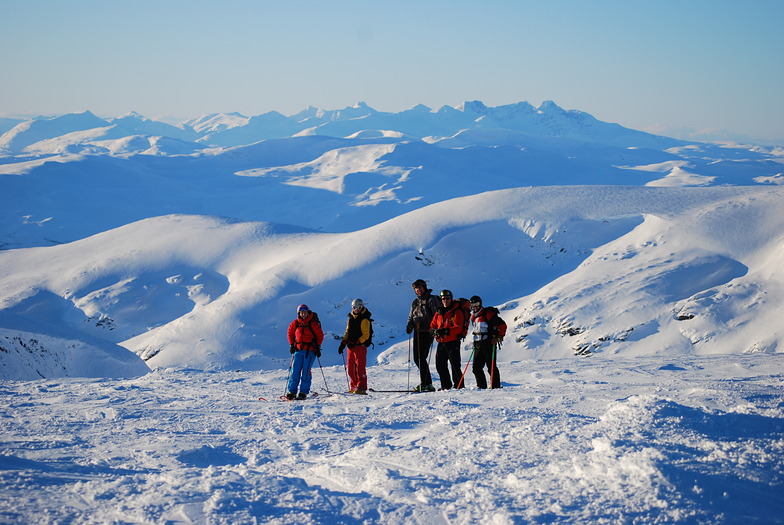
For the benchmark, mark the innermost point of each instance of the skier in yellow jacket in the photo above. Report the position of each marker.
(358, 336)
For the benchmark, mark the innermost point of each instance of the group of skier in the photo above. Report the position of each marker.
(442, 319)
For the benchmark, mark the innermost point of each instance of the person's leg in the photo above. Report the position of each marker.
(423, 342)
(307, 374)
(351, 369)
(361, 352)
(493, 366)
(296, 371)
(454, 360)
(442, 365)
(479, 365)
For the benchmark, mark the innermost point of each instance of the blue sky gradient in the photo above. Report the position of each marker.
(657, 66)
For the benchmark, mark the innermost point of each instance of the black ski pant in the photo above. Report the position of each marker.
(448, 356)
(422, 343)
(485, 356)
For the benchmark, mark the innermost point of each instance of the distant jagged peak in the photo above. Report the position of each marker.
(358, 110)
(309, 112)
(355, 111)
(79, 116)
(131, 116)
(551, 109)
(473, 106)
(68, 122)
(511, 111)
(504, 112)
(446, 110)
(84, 113)
(216, 117)
(548, 106)
(215, 122)
(268, 116)
(419, 108)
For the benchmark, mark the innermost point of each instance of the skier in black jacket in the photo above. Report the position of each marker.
(422, 310)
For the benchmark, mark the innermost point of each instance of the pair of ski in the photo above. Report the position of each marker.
(310, 396)
(316, 394)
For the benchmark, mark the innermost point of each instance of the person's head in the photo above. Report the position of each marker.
(303, 310)
(419, 286)
(446, 297)
(357, 305)
(476, 303)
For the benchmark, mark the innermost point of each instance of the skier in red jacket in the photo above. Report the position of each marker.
(305, 338)
(447, 325)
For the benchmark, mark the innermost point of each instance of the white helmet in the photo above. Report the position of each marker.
(357, 304)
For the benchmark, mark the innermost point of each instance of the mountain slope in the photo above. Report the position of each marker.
(207, 293)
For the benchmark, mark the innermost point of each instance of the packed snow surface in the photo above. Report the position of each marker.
(676, 439)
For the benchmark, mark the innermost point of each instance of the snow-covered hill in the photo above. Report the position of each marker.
(617, 265)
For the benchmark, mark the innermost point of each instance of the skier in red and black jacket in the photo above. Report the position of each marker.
(447, 327)
(488, 331)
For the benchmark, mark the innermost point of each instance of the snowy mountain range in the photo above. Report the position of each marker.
(190, 246)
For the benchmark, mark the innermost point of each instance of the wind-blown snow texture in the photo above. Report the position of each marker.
(130, 245)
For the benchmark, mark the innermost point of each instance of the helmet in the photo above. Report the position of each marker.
(475, 299)
(303, 308)
(446, 293)
(356, 304)
(419, 283)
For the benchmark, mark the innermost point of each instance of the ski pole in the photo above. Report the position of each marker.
(288, 379)
(466, 368)
(322, 375)
(408, 381)
(345, 369)
(492, 370)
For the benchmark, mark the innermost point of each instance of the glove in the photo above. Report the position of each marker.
(341, 347)
(439, 332)
(293, 348)
(409, 327)
(318, 351)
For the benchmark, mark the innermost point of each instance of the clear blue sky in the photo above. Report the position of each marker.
(652, 65)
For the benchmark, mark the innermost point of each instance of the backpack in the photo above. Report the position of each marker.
(370, 319)
(310, 327)
(495, 322)
(465, 305)
(370, 339)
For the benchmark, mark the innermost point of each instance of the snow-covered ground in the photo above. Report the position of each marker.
(641, 279)
(675, 439)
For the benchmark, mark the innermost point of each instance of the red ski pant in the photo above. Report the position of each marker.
(357, 361)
